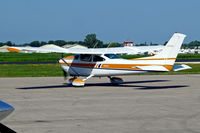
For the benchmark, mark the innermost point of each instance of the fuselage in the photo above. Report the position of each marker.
(107, 65)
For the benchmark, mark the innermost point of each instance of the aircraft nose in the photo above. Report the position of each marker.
(5, 110)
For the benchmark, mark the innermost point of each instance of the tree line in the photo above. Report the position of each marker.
(91, 41)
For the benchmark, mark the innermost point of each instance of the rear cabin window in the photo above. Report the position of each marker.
(90, 58)
(97, 58)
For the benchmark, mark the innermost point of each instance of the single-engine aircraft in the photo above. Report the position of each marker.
(104, 62)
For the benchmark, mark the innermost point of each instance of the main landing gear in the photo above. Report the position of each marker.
(81, 82)
(116, 80)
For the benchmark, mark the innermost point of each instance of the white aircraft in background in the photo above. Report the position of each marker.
(103, 62)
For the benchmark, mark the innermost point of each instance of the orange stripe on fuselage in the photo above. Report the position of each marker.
(13, 49)
(117, 66)
(133, 66)
(69, 57)
(80, 64)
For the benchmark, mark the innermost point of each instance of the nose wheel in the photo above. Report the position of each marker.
(116, 80)
(76, 82)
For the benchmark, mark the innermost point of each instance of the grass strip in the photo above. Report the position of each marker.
(48, 70)
(39, 57)
(30, 70)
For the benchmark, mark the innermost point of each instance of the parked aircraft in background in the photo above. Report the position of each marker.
(104, 62)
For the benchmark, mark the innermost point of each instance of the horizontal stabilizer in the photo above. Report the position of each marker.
(181, 67)
(153, 68)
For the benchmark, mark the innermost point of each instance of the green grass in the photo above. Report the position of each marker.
(188, 56)
(46, 70)
(30, 70)
(180, 56)
(38, 57)
(29, 57)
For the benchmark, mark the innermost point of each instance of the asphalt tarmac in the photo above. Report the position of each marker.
(143, 104)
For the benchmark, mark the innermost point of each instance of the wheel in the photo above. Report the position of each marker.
(116, 80)
(77, 82)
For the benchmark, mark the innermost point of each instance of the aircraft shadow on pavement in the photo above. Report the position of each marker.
(125, 84)
(5, 129)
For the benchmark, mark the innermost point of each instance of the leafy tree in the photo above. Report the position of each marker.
(43, 43)
(60, 42)
(35, 44)
(194, 44)
(1, 44)
(9, 43)
(91, 41)
(51, 42)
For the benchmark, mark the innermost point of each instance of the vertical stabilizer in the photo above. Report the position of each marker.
(172, 48)
(169, 53)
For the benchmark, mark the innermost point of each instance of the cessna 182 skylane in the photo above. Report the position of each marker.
(103, 62)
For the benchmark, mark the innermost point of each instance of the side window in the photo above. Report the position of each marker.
(97, 58)
(86, 57)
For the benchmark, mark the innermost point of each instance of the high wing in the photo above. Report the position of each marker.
(118, 50)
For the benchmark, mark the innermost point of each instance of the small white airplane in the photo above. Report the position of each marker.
(103, 62)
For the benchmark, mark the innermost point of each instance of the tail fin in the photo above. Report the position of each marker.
(170, 51)
(172, 47)
(164, 61)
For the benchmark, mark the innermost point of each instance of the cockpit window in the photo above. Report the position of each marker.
(76, 57)
(86, 57)
(112, 56)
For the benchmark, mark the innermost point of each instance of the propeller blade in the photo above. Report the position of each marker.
(65, 75)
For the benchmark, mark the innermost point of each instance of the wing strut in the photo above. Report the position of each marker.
(67, 64)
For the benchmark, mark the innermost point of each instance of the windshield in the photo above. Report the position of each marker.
(112, 56)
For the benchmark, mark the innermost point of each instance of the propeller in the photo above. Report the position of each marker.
(65, 74)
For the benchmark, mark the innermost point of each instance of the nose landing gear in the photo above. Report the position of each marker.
(79, 82)
(76, 82)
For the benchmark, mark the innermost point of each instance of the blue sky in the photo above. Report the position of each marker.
(111, 20)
